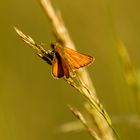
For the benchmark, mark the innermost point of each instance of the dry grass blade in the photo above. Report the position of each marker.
(82, 119)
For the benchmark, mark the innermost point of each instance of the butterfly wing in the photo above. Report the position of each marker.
(59, 67)
(73, 58)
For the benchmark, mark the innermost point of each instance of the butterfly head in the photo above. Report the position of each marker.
(54, 45)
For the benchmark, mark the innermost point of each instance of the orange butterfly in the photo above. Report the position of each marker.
(65, 61)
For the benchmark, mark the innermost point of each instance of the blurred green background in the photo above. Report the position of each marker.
(32, 104)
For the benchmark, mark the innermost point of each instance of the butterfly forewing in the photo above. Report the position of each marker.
(73, 58)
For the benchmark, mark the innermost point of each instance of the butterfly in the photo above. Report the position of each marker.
(65, 61)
